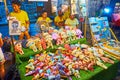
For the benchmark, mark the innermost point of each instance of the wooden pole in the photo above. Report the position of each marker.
(7, 13)
(48, 7)
(113, 34)
(85, 27)
(14, 57)
(6, 9)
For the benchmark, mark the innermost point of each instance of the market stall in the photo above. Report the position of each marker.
(64, 53)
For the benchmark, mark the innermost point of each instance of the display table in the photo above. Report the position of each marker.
(98, 73)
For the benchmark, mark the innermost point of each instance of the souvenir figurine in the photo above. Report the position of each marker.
(18, 48)
(38, 44)
(30, 66)
(67, 47)
(29, 73)
(49, 41)
(69, 34)
(73, 35)
(31, 45)
(76, 74)
(59, 41)
(105, 59)
(36, 77)
(79, 33)
(101, 64)
(24, 42)
(64, 37)
(55, 36)
(43, 43)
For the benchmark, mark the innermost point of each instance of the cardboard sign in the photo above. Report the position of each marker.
(14, 27)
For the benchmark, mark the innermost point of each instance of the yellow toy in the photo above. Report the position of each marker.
(31, 45)
(38, 44)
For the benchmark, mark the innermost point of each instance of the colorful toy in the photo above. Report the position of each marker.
(18, 48)
(79, 33)
(64, 36)
(38, 44)
(43, 43)
(49, 41)
(31, 45)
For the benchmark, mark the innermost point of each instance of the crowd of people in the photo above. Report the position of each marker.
(60, 21)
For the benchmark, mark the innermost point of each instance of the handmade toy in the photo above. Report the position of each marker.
(64, 36)
(24, 42)
(38, 44)
(73, 35)
(18, 48)
(55, 36)
(78, 33)
(43, 43)
(31, 45)
(69, 34)
(59, 41)
(49, 41)
(30, 66)
(105, 59)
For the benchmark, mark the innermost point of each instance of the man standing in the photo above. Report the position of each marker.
(21, 16)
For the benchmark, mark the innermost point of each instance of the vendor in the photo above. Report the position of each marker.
(44, 17)
(72, 22)
(21, 16)
(59, 20)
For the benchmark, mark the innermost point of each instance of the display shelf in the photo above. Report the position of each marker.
(103, 35)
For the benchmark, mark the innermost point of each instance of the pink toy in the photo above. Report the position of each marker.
(79, 33)
(55, 36)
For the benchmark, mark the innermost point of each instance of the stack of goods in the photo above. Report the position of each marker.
(111, 46)
(66, 61)
(46, 40)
